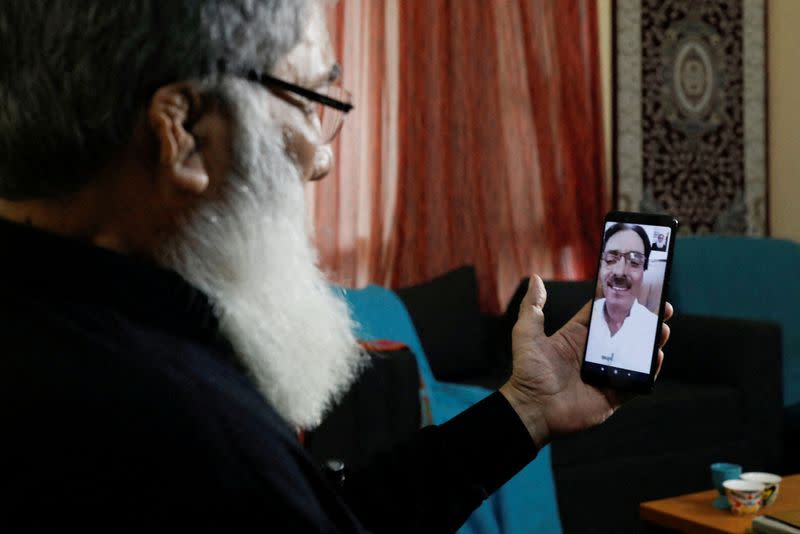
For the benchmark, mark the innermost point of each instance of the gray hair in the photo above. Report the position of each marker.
(75, 75)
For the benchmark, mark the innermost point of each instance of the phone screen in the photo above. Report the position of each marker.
(623, 329)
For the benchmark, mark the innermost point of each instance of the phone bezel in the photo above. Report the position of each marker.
(621, 382)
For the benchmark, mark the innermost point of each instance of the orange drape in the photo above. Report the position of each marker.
(477, 139)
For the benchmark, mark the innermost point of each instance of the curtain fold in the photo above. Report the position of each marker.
(476, 139)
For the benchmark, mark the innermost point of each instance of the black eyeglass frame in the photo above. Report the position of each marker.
(625, 256)
(266, 79)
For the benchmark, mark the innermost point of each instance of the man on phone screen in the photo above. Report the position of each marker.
(622, 335)
(660, 243)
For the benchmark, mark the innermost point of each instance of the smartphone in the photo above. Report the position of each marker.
(628, 306)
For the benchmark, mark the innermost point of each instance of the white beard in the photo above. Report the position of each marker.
(251, 254)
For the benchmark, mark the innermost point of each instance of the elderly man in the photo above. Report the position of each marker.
(660, 244)
(623, 334)
(165, 330)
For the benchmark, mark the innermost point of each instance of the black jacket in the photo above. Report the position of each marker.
(123, 408)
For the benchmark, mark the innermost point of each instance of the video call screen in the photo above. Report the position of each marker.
(630, 280)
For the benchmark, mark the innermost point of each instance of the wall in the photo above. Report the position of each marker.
(783, 58)
(783, 49)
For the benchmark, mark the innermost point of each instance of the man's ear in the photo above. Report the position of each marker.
(181, 166)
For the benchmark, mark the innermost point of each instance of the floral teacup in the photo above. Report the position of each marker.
(744, 496)
(771, 485)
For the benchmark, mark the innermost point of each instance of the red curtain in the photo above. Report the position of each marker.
(477, 139)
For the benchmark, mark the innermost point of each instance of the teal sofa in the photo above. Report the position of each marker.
(748, 278)
(731, 293)
(526, 503)
(744, 278)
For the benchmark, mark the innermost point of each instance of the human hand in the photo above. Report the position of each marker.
(545, 387)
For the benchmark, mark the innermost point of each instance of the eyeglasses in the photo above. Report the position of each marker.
(331, 106)
(635, 259)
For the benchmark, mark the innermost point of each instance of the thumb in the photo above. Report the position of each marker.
(530, 310)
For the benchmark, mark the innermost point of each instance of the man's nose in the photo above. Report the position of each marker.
(323, 162)
(335, 74)
(620, 268)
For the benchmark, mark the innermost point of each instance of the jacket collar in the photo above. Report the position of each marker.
(39, 264)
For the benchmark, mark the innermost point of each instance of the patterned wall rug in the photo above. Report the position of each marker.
(690, 109)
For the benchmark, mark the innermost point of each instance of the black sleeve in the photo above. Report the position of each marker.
(436, 480)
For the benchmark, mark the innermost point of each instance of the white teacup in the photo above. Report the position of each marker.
(771, 484)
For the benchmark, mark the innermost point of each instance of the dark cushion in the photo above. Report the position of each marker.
(655, 446)
(380, 410)
(792, 439)
(677, 416)
(446, 314)
(605, 497)
(740, 353)
(564, 299)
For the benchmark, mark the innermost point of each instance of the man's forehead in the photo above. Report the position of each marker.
(312, 60)
(625, 241)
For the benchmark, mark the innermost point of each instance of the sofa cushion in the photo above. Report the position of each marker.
(564, 299)
(446, 314)
(380, 314)
(380, 410)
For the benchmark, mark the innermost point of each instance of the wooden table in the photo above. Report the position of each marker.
(694, 513)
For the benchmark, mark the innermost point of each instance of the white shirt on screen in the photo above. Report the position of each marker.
(631, 347)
